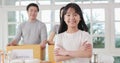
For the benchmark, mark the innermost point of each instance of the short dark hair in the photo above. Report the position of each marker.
(32, 4)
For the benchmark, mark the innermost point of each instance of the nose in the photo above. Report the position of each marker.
(72, 17)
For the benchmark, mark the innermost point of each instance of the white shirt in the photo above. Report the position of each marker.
(72, 42)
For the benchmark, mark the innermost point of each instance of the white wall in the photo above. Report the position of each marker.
(0, 30)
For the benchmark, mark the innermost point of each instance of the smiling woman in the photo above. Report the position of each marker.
(73, 31)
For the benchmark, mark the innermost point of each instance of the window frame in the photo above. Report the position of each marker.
(109, 22)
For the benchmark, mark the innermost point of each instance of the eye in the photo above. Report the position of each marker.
(75, 14)
(68, 15)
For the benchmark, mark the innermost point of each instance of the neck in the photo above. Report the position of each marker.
(32, 20)
(72, 30)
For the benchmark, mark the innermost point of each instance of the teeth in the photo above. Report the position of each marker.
(72, 21)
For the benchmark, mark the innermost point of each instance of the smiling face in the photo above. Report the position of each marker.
(71, 18)
(32, 13)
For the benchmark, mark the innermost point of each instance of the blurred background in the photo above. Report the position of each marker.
(101, 16)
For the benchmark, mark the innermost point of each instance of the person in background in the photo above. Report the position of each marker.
(55, 29)
(73, 43)
(32, 31)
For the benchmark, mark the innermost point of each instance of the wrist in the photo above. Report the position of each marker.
(67, 53)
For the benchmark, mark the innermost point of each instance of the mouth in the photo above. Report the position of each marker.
(71, 21)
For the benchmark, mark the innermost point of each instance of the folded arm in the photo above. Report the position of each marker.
(62, 58)
(85, 51)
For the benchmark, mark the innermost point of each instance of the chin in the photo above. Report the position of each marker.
(33, 18)
(72, 26)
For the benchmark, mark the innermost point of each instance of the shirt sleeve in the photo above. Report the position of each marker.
(55, 29)
(43, 33)
(87, 37)
(58, 41)
(19, 33)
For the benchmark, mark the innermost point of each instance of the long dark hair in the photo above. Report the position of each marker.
(61, 9)
(81, 24)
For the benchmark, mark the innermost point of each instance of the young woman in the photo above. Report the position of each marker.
(73, 43)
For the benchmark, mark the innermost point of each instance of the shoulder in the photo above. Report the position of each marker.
(85, 36)
(22, 24)
(84, 33)
(61, 34)
(40, 23)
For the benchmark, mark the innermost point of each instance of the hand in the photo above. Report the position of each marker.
(43, 44)
(56, 51)
(12, 44)
(86, 46)
(60, 51)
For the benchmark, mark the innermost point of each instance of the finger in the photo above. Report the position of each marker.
(84, 43)
(88, 45)
(56, 48)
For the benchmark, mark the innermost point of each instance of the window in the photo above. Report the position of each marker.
(44, 2)
(26, 2)
(82, 1)
(117, 30)
(12, 2)
(57, 18)
(59, 2)
(46, 18)
(11, 29)
(14, 19)
(101, 17)
(0, 2)
(1, 44)
(100, 1)
(117, 59)
(91, 1)
(96, 25)
(117, 1)
(117, 10)
(87, 15)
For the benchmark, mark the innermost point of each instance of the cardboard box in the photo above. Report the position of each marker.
(38, 53)
(51, 54)
(45, 62)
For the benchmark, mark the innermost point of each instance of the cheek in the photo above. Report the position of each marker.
(36, 14)
(66, 20)
(78, 18)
